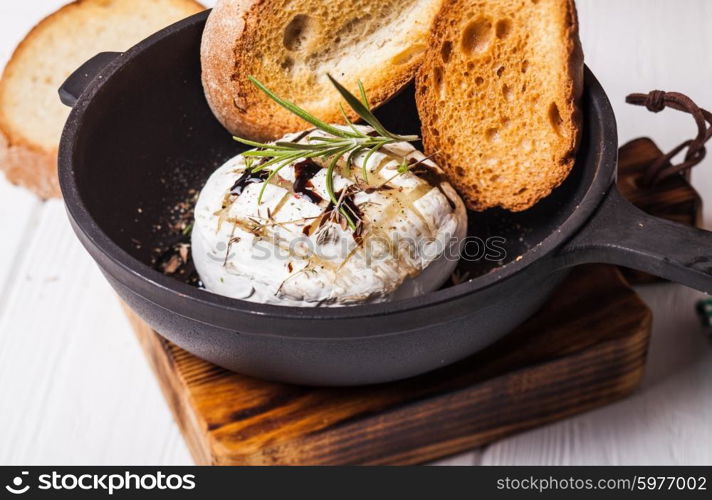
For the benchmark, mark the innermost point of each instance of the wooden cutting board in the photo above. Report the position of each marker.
(584, 349)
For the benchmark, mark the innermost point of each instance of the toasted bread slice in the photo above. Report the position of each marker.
(31, 116)
(291, 46)
(498, 97)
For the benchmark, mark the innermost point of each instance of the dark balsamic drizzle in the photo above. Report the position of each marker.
(304, 171)
(252, 177)
(249, 177)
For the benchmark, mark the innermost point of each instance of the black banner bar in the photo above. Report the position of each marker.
(354, 482)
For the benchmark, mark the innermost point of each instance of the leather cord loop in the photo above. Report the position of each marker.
(656, 101)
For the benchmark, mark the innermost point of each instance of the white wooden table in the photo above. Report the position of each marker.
(75, 388)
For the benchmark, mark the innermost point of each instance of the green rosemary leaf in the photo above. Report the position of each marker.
(332, 194)
(293, 146)
(320, 138)
(274, 172)
(368, 156)
(350, 160)
(267, 153)
(276, 160)
(248, 142)
(327, 153)
(348, 120)
(339, 142)
(364, 97)
(330, 180)
(365, 113)
(359, 108)
(304, 115)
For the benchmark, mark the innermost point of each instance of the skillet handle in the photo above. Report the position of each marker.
(72, 88)
(619, 233)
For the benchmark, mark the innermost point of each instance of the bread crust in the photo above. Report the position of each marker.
(225, 26)
(228, 55)
(525, 192)
(29, 167)
(25, 163)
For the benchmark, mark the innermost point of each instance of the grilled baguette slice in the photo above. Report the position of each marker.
(498, 97)
(31, 116)
(291, 45)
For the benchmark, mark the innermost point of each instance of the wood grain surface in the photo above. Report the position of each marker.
(586, 348)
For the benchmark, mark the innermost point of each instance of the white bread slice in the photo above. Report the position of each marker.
(291, 45)
(31, 116)
(498, 97)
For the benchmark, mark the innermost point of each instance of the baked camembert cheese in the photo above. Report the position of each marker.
(274, 235)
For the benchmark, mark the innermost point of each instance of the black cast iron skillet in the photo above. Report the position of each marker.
(141, 135)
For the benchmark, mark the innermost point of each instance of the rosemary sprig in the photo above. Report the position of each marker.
(349, 142)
